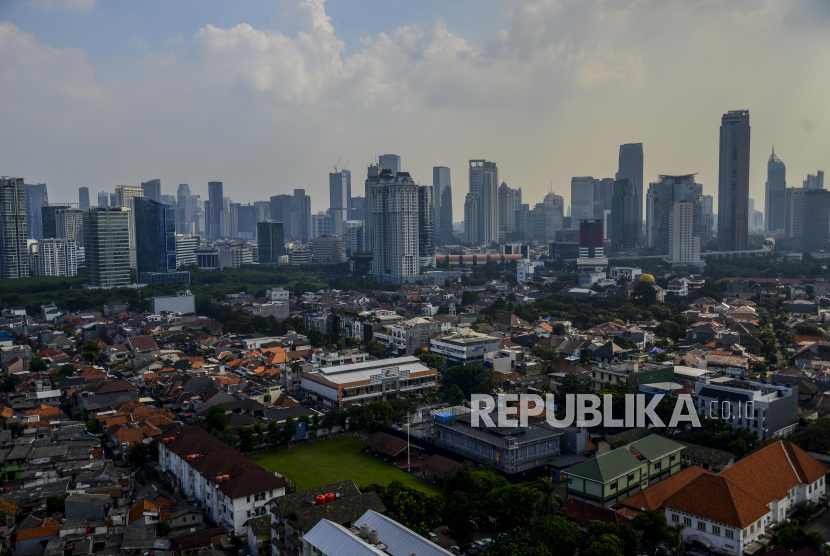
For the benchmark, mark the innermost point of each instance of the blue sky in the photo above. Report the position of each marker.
(266, 96)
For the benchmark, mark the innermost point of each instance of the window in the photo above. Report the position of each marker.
(657, 466)
(249, 498)
(193, 518)
(613, 486)
(675, 518)
(632, 477)
(729, 534)
(715, 530)
(701, 525)
(249, 513)
(687, 521)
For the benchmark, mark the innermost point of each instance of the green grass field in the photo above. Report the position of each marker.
(328, 461)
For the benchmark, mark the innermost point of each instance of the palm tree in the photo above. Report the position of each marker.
(674, 539)
(488, 382)
(549, 502)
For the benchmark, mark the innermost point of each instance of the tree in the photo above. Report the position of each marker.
(792, 536)
(606, 545)
(416, 510)
(37, 364)
(164, 528)
(456, 396)
(376, 348)
(645, 293)
(809, 330)
(274, 433)
(517, 543)
(674, 538)
(288, 430)
(216, 418)
(629, 538)
(652, 526)
(549, 502)
(246, 439)
(557, 533)
(467, 377)
(459, 511)
(56, 503)
(489, 382)
(140, 453)
(468, 298)
(228, 438)
(90, 351)
(512, 505)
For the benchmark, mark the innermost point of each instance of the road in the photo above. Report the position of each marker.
(820, 525)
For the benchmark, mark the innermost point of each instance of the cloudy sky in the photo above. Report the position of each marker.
(266, 96)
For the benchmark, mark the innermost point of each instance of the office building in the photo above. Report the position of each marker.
(300, 216)
(625, 227)
(707, 220)
(152, 190)
(426, 227)
(155, 236)
(182, 227)
(630, 166)
(63, 221)
(113, 198)
(340, 184)
(213, 211)
(186, 246)
(794, 212)
(603, 196)
(327, 249)
(182, 194)
(107, 246)
(684, 242)
(14, 253)
(243, 221)
(816, 218)
(299, 255)
(225, 223)
(123, 194)
(263, 210)
(83, 198)
(481, 206)
(442, 189)
(103, 199)
(391, 162)
(53, 257)
(509, 201)
(545, 219)
(661, 194)
(591, 245)
(774, 193)
(207, 258)
(582, 198)
(281, 208)
(169, 200)
(320, 225)
(234, 256)
(354, 240)
(270, 237)
(814, 181)
(733, 181)
(395, 235)
(523, 223)
(357, 210)
(36, 196)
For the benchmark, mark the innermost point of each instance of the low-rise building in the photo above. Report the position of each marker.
(465, 347)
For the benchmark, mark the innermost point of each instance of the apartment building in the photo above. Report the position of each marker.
(464, 347)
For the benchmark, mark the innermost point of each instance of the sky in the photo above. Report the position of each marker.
(267, 96)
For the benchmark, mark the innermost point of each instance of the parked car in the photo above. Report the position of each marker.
(455, 550)
(432, 536)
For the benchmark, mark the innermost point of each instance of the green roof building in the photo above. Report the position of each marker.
(620, 473)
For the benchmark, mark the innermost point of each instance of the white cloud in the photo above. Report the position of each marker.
(74, 5)
(178, 39)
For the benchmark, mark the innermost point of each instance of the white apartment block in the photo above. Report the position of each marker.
(186, 245)
(684, 244)
(53, 257)
(465, 347)
(230, 487)
(395, 240)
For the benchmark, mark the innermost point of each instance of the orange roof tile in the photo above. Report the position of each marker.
(652, 497)
(45, 528)
(717, 499)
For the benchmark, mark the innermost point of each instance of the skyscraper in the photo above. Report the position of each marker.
(624, 224)
(182, 193)
(661, 194)
(270, 236)
(113, 202)
(546, 219)
(103, 199)
(426, 227)
(481, 207)
(603, 195)
(281, 207)
(83, 198)
(212, 215)
(63, 221)
(684, 239)
(794, 212)
(14, 254)
(630, 165)
(155, 236)
(816, 217)
(53, 257)
(301, 216)
(358, 210)
(814, 181)
(395, 235)
(733, 181)
(441, 183)
(582, 199)
(708, 220)
(36, 195)
(509, 201)
(152, 189)
(339, 187)
(107, 241)
(391, 162)
(591, 243)
(774, 193)
(123, 194)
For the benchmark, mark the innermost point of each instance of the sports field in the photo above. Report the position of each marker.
(328, 461)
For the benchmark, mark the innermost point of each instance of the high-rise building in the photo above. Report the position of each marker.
(320, 224)
(794, 212)
(523, 222)
(225, 223)
(270, 237)
(509, 201)
(630, 165)
(582, 199)
(816, 217)
(603, 196)
(733, 181)
(243, 221)
(155, 236)
(182, 194)
(113, 199)
(707, 220)
(169, 200)
(774, 193)
(14, 253)
(214, 210)
(442, 188)
(327, 249)
(395, 234)
(103, 199)
(591, 243)
(263, 210)
(123, 194)
(545, 219)
(625, 227)
(339, 187)
(83, 198)
(354, 238)
(481, 207)
(36, 195)
(63, 221)
(661, 194)
(358, 209)
(107, 246)
(426, 227)
(684, 241)
(281, 208)
(814, 181)
(53, 257)
(391, 162)
(152, 190)
(186, 245)
(300, 216)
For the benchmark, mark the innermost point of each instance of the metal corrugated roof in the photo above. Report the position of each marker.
(399, 540)
(335, 540)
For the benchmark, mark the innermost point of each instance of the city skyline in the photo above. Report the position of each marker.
(602, 95)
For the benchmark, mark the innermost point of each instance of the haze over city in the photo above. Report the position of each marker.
(268, 97)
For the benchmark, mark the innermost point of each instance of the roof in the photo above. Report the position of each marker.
(142, 343)
(110, 386)
(344, 510)
(386, 443)
(655, 446)
(288, 505)
(710, 456)
(583, 513)
(439, 465)
(196, 538)
(717, 499)
(608, 466)
(45, 528)
(653, 497)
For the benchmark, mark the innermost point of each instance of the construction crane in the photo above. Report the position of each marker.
(336, 163)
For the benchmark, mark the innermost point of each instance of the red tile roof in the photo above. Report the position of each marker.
(652, 497)
(583, 513)
(717, 499)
